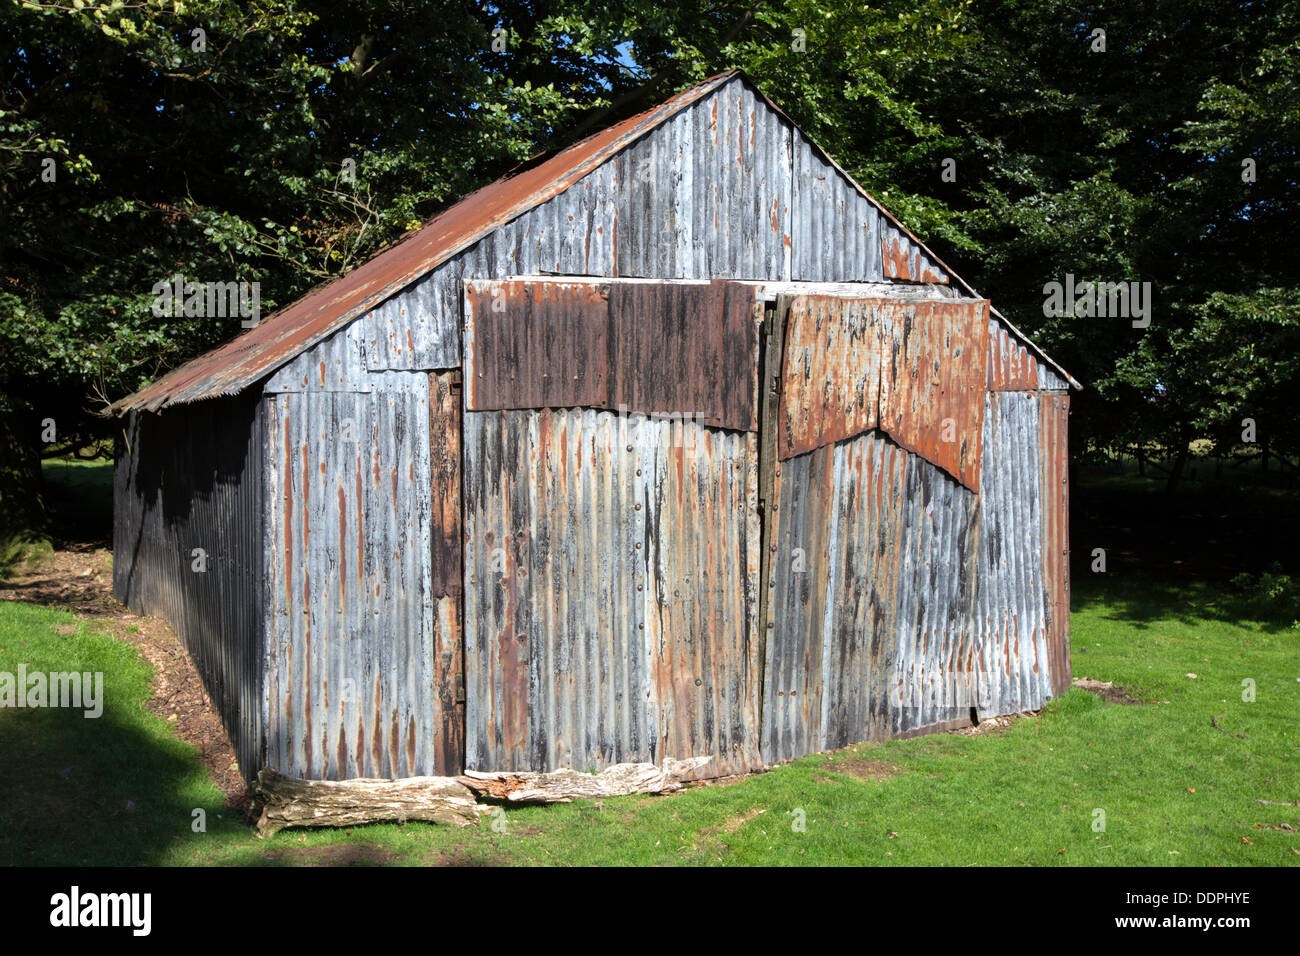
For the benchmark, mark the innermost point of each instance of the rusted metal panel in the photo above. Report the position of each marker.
(537, 344)
(1015, 353)
(1010, 616)
(1053, 463)
(672, 350)
(686, 350)
(193, 478)
(707, 194)
(872, 593)
(358, 641)
(906, 260)
(830, 380)
(611, 567)
(1011, 366)
(932, 382)
(913, 367)
(444, 474)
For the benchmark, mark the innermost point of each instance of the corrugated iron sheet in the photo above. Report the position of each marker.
(932, 381)
(193, 478)
(708, 194)
(906, 260)
(871, 598)
(913, 367)
(665, 349)
(362, 649)
(1011, 366)
(610, 593)
(1011, 611)
(1054, 474)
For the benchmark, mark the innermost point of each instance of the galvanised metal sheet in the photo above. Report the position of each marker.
(871, 596)
(835, 229)
(830, 376)
(934, 681)
(1054, 474)
(932, 381)
(360, 645)
(192, 478)
(611, 568)
(1011, 610)
(537, 344)
(707, 193)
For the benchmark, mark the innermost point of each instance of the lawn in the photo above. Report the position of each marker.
(1175, 790)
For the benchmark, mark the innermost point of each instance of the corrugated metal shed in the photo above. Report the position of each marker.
(738, 468)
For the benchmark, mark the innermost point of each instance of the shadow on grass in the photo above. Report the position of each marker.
(1139, 601)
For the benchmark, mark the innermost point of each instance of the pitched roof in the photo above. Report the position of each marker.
(277, 339)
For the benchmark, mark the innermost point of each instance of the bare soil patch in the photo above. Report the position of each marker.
(336, 854)
(1107, 691)
(79, 578)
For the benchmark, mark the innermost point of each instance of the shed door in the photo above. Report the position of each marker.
(872, 426)
(363, 651)
(611, 524)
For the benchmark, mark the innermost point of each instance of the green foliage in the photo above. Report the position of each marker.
(1277, 592)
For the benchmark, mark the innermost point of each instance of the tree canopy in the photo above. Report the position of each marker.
(287, 141)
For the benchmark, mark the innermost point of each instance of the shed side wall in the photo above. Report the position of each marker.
(192, 477)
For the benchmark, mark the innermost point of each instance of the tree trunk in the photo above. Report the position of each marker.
(22, 507)
(288, 802)
(1180, 461)
(564, 786)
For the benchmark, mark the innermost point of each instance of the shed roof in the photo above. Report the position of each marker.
(249, 357)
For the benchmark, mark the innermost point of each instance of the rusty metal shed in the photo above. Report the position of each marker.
(673, 444)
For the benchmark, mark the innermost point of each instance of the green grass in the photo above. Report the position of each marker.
(1175, 790)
